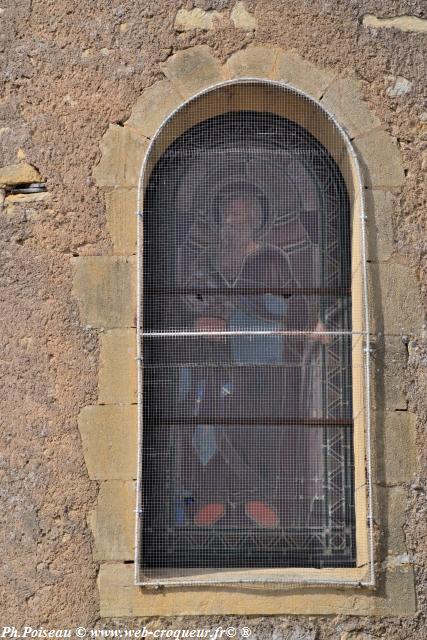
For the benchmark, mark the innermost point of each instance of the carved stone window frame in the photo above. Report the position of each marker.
(106, 287)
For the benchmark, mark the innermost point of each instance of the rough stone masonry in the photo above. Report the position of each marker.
(71, 70)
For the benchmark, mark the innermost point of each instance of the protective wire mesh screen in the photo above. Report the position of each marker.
(247, 447)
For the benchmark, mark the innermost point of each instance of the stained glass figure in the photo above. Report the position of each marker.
(247, 376)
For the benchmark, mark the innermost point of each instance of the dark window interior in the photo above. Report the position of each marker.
(247, 403)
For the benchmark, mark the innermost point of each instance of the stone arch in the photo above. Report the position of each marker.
(108, 429)
(286, 101)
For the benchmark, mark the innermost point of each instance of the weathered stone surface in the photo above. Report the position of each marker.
(343, 98)
(292, 69)
(379, 208)
(121, 216)
(186, 20)
(109, 436)
(50, 364)
(390, 504)
(401, 87)
(394, 299)
(242, 18)
(154, 105)
(105, 288)
(192, 70)
(402, 23)
(21, 173)
(395, 451)
(117, 381)
(380, 160)
(113, 521)
(21, 198)
(122, 154)
(253, 62)
(119, 597)
(388, 364)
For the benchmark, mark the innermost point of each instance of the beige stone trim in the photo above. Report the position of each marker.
(188, 19)
(343, 98)
(119, 598)
(380, 234)
(105, 288)
(390, 358)
(111, 523)
(118, 367)
(303, 75)
(20, 173)
(122, 153)
(120, 207)
(396, 307)
(265, 578)
(390, 506)
(192, 70)
(242, 18)
(402, 23)
(252, 62)
(153, 107)
(395, 447)
(358, 378)
(380, 160)
(262, 97)
(109, 437)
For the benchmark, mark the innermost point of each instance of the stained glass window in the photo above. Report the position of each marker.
(247, 451)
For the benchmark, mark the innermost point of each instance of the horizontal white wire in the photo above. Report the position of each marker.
(188, 334)
(294, 580)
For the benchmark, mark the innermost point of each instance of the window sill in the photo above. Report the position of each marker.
(354, 577)
(120, 597)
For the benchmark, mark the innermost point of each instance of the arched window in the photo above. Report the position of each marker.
(249, 340)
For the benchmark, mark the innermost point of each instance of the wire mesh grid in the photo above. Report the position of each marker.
(253, 371)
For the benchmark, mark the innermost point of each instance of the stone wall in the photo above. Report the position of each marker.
(73, 74)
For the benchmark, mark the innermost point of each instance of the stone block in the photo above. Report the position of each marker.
(113, 521)
(388, 364)
(105, 288)
(117, 380)
(399, 88)
(291, 68)
(120, 598)
(390, 504)
(20, 173)
(394, 299)
(122, 154)
(186, 20)
(343, 98)
(27, 198)
(380, 160)
(379, 208)
(121, 216)
(192, 70)
(402, 23)
(242, 18)
(395, 456)
(153, 107)
(252, 62)
(109, 437)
